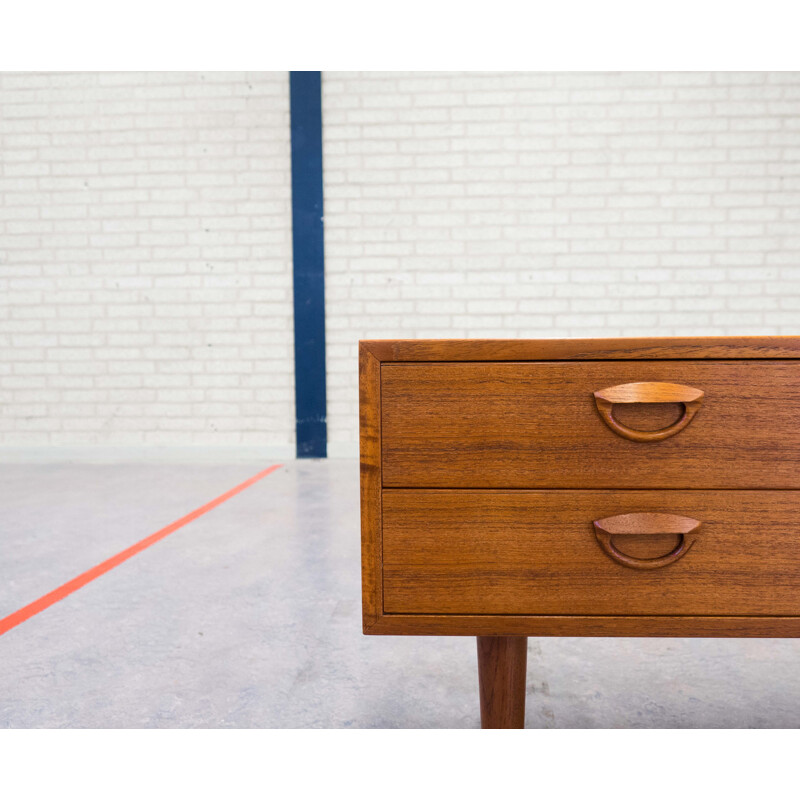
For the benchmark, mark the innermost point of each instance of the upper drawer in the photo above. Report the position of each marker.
(539, 424)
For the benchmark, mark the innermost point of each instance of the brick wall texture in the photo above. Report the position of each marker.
(145, 259)
(557, 205)
(145, 232)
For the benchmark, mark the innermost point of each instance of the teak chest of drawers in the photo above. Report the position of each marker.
(598, 487)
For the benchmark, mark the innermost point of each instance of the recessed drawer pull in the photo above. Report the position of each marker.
(646, 523)
(648, 393)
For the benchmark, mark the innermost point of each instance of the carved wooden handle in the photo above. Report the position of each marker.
(648, 393)
(646, 523)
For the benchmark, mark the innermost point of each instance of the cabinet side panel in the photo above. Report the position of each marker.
(370, 447)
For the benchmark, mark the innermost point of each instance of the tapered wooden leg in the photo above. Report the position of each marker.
(502, 666)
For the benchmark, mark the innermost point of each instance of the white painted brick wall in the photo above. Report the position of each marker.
(556, 205)
(145, 232)
(145, 259)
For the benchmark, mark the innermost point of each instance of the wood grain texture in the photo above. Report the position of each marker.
(535, 552)
(370, 465)
(535, 424)
(649, 392)
(647, 523)
(502, 667)
(571, 625)
(714, 347)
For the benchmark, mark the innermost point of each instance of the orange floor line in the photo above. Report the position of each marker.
(47, 600)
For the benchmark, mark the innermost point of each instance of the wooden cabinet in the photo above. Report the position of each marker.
(628, 487)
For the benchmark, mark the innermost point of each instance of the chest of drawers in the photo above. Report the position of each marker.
(601, 487)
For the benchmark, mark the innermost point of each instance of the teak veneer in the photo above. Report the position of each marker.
(602, 487)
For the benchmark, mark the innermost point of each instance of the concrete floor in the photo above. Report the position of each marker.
(250, 617)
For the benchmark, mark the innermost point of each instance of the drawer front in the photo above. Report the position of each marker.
(540, 424)
(538, 552)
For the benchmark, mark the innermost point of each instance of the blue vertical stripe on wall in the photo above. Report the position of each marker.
(305, 89)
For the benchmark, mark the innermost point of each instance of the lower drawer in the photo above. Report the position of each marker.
(539, 552)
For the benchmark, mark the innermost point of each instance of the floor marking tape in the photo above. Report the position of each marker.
(25, 613)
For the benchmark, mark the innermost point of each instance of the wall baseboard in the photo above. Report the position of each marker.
(342, 449)
(146, 455)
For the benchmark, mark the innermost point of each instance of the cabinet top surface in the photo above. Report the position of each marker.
(679, 347)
